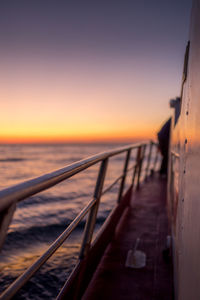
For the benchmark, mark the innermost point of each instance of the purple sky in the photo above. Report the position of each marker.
(120, 61)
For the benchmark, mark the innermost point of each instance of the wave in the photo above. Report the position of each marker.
(13, 159)
(41, 234)
(48, 198)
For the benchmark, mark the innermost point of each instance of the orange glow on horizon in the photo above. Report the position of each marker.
(79, 138)
(94, 103)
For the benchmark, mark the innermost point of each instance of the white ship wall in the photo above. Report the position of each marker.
(184, 179)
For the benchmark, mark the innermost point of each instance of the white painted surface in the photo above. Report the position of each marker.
(185, 176)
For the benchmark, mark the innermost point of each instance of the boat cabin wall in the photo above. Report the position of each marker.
(184, 173)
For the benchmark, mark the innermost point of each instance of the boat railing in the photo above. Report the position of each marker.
(10, 196)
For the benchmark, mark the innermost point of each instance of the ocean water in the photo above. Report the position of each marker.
(39, 220)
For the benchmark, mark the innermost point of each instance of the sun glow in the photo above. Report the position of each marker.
(60, 136)
(96, 105)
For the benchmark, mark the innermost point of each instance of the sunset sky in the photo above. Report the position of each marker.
(89, 70)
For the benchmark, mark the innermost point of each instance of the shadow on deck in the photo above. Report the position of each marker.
(146, 218)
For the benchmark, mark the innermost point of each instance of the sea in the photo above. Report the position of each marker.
(40, 219)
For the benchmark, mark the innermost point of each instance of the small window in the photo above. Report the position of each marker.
(185, 67)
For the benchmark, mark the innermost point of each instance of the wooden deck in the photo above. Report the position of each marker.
(146, 218)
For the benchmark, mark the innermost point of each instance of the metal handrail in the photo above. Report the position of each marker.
(131, 168)
(31, 187)
(21, 280)
(116, 180)
(11, 195)
(111, 185)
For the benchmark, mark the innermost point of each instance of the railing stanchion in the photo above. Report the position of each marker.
(156, 158)
(149, 159)
(136, 165)
(91, 220)
(124, 175)
(142, 154)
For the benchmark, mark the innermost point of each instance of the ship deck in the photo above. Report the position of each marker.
(146, 218)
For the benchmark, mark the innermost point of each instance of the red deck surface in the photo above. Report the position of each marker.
(147, 219)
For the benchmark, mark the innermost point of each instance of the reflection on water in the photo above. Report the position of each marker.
(49, 279)
(40, 219)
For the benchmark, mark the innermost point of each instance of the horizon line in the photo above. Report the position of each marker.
(85, 141)
(75, 140)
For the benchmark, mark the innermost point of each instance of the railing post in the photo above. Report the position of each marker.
(149, 159)
(156, 157)
(140, 165)
(124, 175)
(91, 220)
(137, 164)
